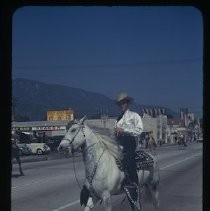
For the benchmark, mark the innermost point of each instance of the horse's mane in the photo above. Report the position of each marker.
(109, 144)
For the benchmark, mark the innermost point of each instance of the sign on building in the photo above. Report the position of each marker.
(38, 128)
(55, 115)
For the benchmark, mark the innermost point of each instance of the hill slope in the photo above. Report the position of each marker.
(34, 99)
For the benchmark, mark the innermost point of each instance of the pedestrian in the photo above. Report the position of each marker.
(159, 142)
(182, 140)
(146, 140)
(152, 143)
(127, 127)
(176, 140)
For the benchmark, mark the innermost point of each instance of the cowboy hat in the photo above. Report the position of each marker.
(123, 97)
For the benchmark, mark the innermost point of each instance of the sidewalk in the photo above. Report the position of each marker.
(37, 158)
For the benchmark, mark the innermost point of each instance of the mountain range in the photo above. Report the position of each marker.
(33, 99)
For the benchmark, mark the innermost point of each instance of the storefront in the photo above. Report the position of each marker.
(41, 128)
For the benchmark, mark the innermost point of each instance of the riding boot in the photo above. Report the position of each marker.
(133, 195)
(131, 189)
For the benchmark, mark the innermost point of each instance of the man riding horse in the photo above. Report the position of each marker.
(127, 127)
(104, 173)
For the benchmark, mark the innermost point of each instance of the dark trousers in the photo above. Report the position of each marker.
(129, 147)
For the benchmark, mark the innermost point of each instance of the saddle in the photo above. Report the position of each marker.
(143, 161)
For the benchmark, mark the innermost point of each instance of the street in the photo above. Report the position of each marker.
(51, 185)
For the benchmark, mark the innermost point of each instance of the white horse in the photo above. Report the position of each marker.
(103, 176)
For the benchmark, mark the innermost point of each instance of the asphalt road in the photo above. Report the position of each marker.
(50, 185)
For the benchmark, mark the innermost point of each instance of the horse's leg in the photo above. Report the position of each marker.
(155, 195)
(89, 204)
(154, 173)
(19, 163)
(152, 194)
(106, 197)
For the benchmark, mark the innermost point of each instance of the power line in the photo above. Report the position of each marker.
(108, 65)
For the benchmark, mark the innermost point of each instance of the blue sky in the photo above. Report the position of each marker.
(152, 53)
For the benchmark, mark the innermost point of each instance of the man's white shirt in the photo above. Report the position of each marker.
(131, 123)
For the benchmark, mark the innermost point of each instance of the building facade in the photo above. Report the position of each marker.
(156, 124)
(58, 115)
(40, 128)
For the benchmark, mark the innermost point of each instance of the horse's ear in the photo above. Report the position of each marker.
(81, 121)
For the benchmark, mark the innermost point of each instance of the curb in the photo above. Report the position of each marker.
(37, 158)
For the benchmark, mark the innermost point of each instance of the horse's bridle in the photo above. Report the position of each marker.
(72, 140)
(91, 176)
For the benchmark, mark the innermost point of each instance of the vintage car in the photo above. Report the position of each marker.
(32, 144)
(39, 148)
(34, 148)
(24, 149)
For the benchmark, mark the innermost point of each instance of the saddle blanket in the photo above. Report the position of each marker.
(143, 160)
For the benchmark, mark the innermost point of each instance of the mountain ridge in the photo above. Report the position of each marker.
(34, 98)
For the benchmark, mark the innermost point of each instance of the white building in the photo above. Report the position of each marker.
(58, 128)
(158, 125)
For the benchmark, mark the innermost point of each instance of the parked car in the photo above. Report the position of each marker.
(24, 149)
(39, 148)
(35, 144)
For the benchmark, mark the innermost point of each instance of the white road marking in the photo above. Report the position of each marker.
(180, 161)
(27, 184)
(67, 205)
(40, 181)
(167, 166)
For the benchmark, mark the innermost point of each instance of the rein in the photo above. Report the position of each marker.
(91, 176)
(75, 167)
(75, 173)
(70, 143)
